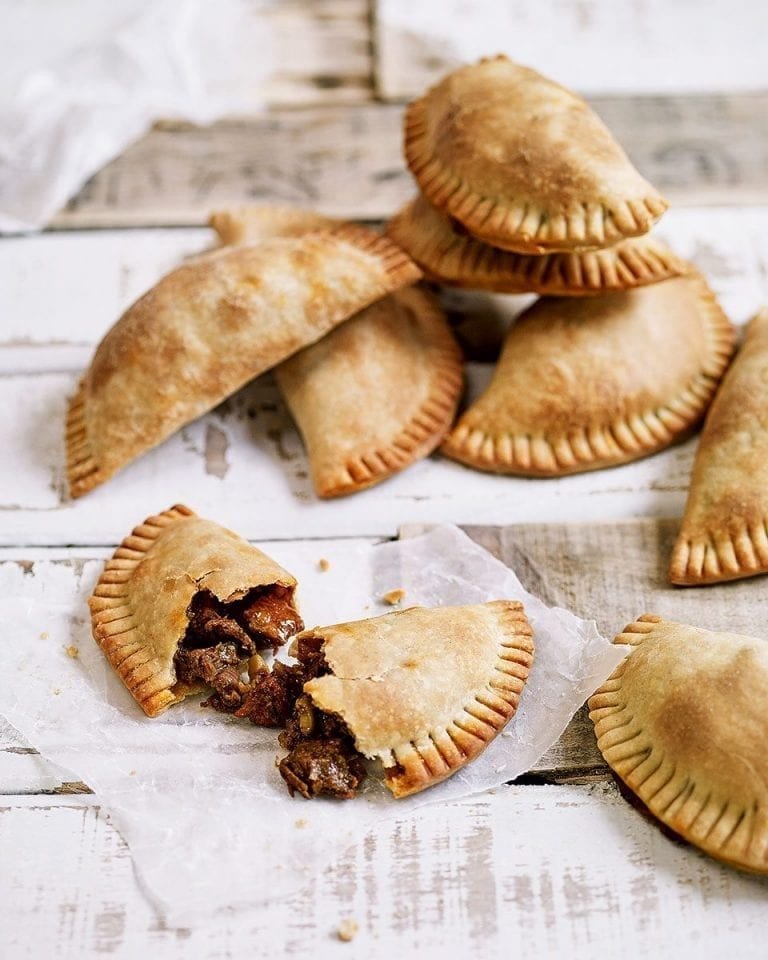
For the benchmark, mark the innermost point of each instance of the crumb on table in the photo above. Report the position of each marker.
(323, 564)
(72, 651)
(394, 596)
(44, 635)
(347, 929)
(300, 823)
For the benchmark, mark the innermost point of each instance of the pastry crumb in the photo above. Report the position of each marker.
(56, 691)
(44, 635)
(323, 564)
(347, 929)
(131, 773)
(394, 596)
(300, 823)
(72, 651)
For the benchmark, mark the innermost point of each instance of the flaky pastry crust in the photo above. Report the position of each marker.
(376, 394)
(682, 721)
(588, 383)
(724, 534)
(523, 163)
(139, 607)
(208, 328)
(425, 690)
(448, 254)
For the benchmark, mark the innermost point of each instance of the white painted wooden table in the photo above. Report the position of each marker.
(557, 865)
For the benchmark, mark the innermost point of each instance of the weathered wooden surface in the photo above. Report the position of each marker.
(567, 871)
(592, 45)
(347, 160)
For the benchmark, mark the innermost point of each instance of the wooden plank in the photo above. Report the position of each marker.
(597, 46)
(347, 160)
(92, 276)
(247, 452)
(574, 870)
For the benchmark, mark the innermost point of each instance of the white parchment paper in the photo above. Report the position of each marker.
(80, 82)
(197, 795)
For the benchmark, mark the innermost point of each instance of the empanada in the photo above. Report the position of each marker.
(260, 222)
(523, 163)
(422, 690)
(209, 327)
(591, 382)
(181, 606)
(448, 254)
(683, 722)
(377, 393)
(724, 534)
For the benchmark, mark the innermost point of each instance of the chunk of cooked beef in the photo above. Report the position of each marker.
(220, 636)
(331, 768)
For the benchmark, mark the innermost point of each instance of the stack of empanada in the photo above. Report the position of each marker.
(525, 190)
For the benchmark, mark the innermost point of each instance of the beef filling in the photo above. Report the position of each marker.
(322, 759)
(220, 636)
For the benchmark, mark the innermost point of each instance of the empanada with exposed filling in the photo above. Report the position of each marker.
(448, 254)
(523, 163)
(724, 535)
(183, 604)
(683, 722)
(422, 690)
(584, 383)
(209, 327)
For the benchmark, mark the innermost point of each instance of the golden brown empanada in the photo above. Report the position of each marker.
(683, 722)
(724, 534)
(422, 690)
(182, 604)
(209, 327)
(348, 393)
(376, 394)
(523, 163)
(260, 222)
(448, 254)
(592, 382)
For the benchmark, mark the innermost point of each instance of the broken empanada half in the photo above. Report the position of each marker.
(448, 254)
(375, 395)
(183, 604)
(584, 383)
(422, 690)
(724, 535)
(261, 222)
(523, 163)
(208, 328)
(682, 721)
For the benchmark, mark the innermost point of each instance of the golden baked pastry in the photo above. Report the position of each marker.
(523, 163)
(259, 222)
(209, 327)
(724, 535)
(375, 395)
(587, 383)
(448, 254)
(422, 690)
(683, 722)
(346, 392)
(182, 604)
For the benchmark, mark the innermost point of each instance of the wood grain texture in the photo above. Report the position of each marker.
(597, 46)
(347, 160)
(571, 871)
